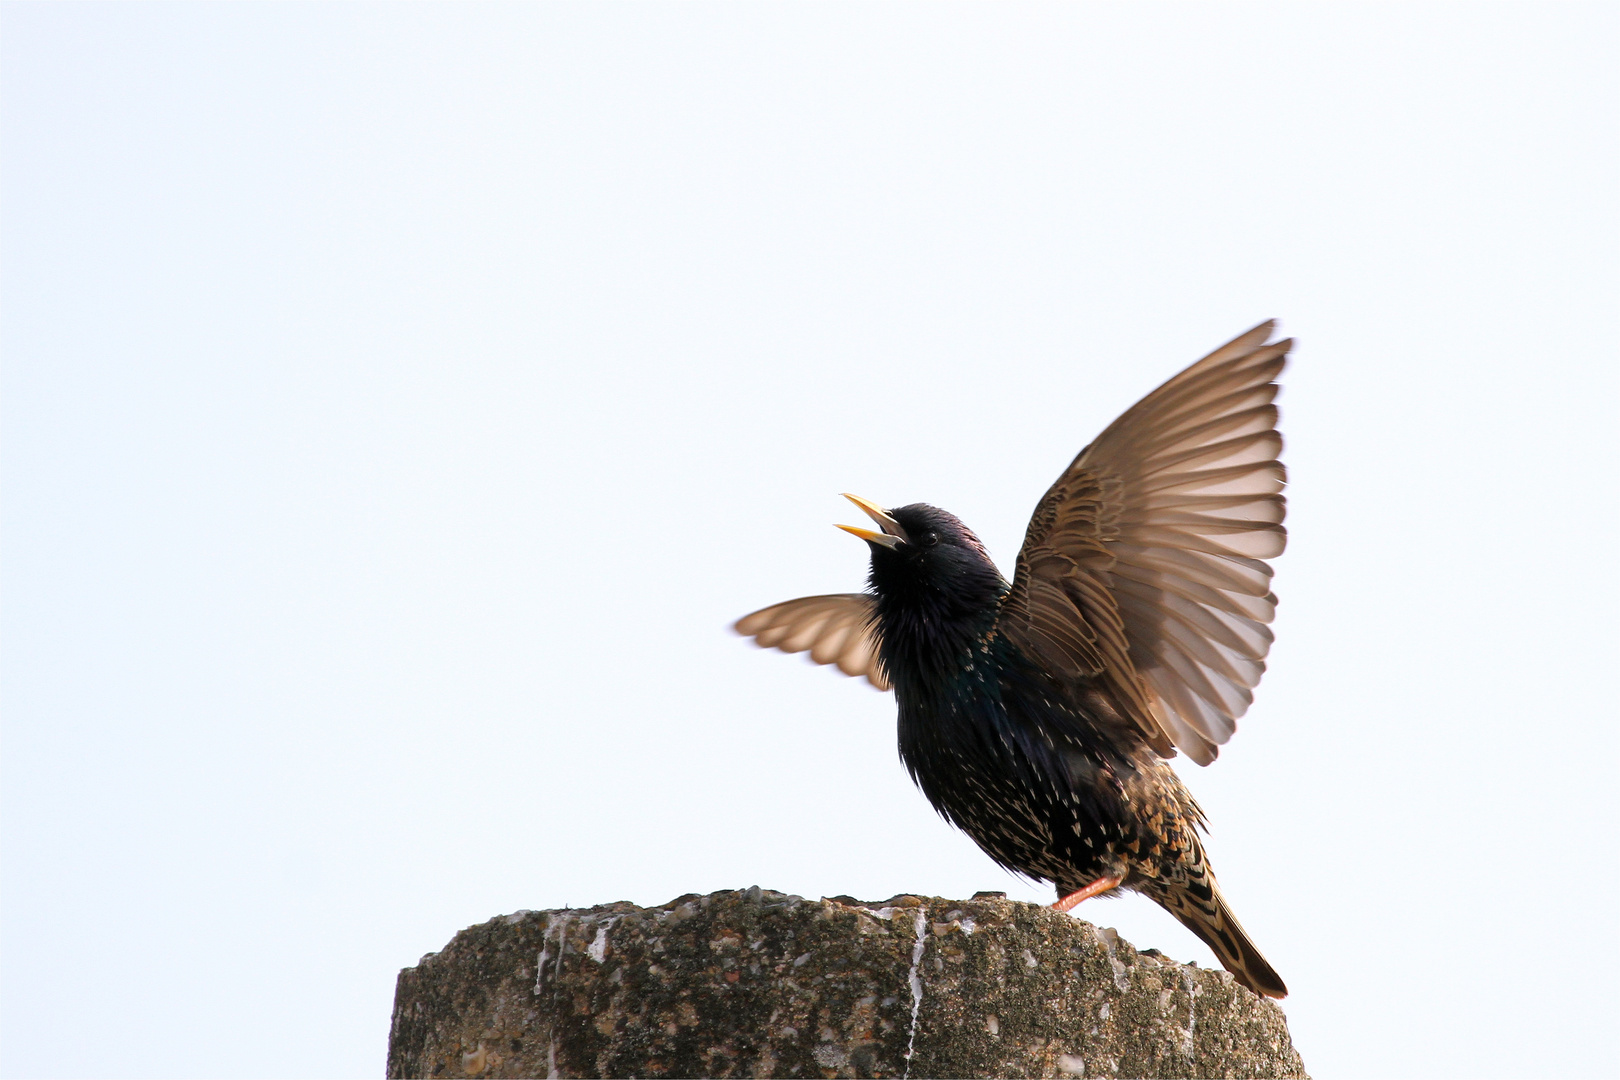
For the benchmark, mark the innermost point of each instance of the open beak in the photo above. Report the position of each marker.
(892, 535)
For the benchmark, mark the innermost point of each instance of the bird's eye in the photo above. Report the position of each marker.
(930, 539)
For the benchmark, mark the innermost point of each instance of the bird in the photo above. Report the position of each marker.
(1039, 715)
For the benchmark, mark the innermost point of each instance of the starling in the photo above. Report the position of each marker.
(1037, 716)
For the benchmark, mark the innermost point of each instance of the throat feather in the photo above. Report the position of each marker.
(932, 647)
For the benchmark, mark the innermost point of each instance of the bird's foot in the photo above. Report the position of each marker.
(1101, 885)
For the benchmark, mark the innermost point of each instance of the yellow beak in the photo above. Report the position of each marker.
(892, 535)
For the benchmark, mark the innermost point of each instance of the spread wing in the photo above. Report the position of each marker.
(837, 629)
(1142, 573)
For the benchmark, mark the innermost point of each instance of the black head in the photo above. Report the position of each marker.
(926, 557)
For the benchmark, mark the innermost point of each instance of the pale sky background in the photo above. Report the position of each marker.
(400, 402)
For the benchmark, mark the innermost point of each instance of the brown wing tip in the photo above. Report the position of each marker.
(755, 621)
(1252, 338)
(833, 630)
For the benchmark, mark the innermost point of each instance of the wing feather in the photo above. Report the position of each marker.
(860, 657)
(1157, 536)
(836, 629)
(1230, 575)
(1238, 639)
(1255, 610)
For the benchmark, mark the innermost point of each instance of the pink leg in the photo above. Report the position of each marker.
(1101, 885)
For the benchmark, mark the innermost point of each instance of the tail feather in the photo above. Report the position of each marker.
(1218, 928)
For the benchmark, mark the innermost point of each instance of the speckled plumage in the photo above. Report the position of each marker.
(1036, 715)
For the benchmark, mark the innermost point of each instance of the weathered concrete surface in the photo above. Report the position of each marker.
(756, 983)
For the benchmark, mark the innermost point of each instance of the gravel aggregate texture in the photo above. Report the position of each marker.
(759, 983)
